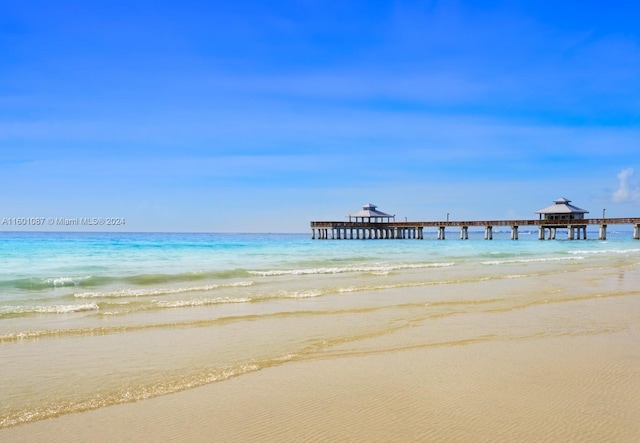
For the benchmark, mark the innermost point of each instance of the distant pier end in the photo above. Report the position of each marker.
(370, 223)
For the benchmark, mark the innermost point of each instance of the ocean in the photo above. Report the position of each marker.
(90, 320)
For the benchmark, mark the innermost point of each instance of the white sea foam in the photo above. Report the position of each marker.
(531, 260)
(52, 309)
(198, 302)
(285, 357)
(65, 281)
(606, 251)
(161, 291)
(349, 289)
(383, 287)
(302, 294)
(379, 269)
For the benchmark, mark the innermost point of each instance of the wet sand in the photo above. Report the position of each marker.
(574, 388)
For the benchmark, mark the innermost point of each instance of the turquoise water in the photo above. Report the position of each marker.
(67, 272)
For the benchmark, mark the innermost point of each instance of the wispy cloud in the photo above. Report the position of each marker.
(627, 191)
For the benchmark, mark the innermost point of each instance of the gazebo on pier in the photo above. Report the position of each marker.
(562, 214)
(369, 214)
(562, 210)
(369, 223)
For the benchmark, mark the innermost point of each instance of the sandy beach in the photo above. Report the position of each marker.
(527, 342)
(578, 388)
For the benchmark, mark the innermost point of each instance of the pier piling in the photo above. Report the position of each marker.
(602, 233)
(363, 230)
(488, 232)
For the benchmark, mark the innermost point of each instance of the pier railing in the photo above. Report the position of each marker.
(415, 229)
(456, 223)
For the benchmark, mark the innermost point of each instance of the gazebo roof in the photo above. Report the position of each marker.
(370, 211)
(562, 206)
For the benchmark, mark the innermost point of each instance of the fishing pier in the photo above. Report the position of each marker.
(369, 223)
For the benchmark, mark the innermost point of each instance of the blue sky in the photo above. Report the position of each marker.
(260, 116)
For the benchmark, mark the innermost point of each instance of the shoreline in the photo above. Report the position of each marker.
(508, 345)
(576, 388)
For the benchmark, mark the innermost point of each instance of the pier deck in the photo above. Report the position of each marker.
(576, 228)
